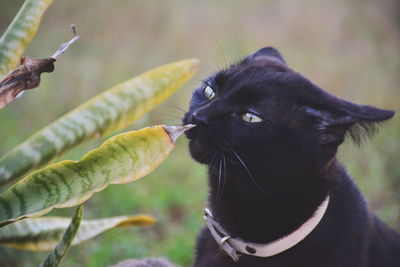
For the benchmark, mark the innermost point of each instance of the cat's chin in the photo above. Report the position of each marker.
(199, 153)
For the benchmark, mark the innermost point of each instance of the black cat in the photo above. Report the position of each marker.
(278, 196)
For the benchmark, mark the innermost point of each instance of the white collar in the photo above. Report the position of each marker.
(232, 246)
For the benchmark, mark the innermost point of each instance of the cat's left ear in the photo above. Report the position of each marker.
(337, 118)
(268, 53)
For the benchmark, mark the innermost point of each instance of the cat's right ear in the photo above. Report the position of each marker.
(344, 117)
(268, 53)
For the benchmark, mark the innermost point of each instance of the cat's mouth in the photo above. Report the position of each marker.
(191, 133)
(205, 145)
(206, 141)
(201, 147)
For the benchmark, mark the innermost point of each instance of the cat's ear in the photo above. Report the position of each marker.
(339, 118)
(268, 53)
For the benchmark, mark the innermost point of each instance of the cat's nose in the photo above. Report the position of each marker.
(198, 118)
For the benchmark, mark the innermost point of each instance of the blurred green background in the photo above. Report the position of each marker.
(349, 47)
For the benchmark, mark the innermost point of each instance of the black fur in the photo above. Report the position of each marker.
(267, 178)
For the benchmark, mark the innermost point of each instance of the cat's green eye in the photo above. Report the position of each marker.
(250, 117)
(209, 92)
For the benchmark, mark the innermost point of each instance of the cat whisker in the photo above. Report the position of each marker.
(248, 171)
(219, 176)
(205, 156)
(224, 173)
(151, 104)
(167, 114)
(213, 162)
(173, 107)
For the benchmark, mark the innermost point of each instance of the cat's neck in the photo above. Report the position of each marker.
(261, 218)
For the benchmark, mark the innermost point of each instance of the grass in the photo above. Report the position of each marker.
(349, 48)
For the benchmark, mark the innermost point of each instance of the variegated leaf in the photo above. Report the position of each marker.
(108, 112)
(43, 234)
(20, 33)
(63, 246)
(121, 159)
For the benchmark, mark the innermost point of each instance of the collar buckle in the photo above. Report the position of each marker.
(220, 236)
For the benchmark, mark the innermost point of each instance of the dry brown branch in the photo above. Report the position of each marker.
(27, 75)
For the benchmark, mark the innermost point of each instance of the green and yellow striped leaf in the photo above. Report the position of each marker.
(20, 33)
(108, 112)
(43, 234)
(55, 257)
(121, 159)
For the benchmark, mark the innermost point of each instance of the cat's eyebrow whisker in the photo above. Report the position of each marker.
(248, 171)
(216, 63)
(222, 55)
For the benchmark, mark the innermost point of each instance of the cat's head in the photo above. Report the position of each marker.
(262, 114)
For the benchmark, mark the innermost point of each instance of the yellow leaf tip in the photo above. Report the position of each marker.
(194, 64)
(138, 220)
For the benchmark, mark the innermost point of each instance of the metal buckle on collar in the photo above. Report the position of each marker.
(220, 236)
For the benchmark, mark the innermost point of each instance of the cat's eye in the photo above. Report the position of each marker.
(250, 117)
(209, 92)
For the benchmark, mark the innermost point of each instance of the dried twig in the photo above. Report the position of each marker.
(27, 75)
(64, 46)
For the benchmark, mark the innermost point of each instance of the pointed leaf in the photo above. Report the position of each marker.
(121, 159)
(108, 112)
(63, 246)
(43, 234)
(20, 33)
